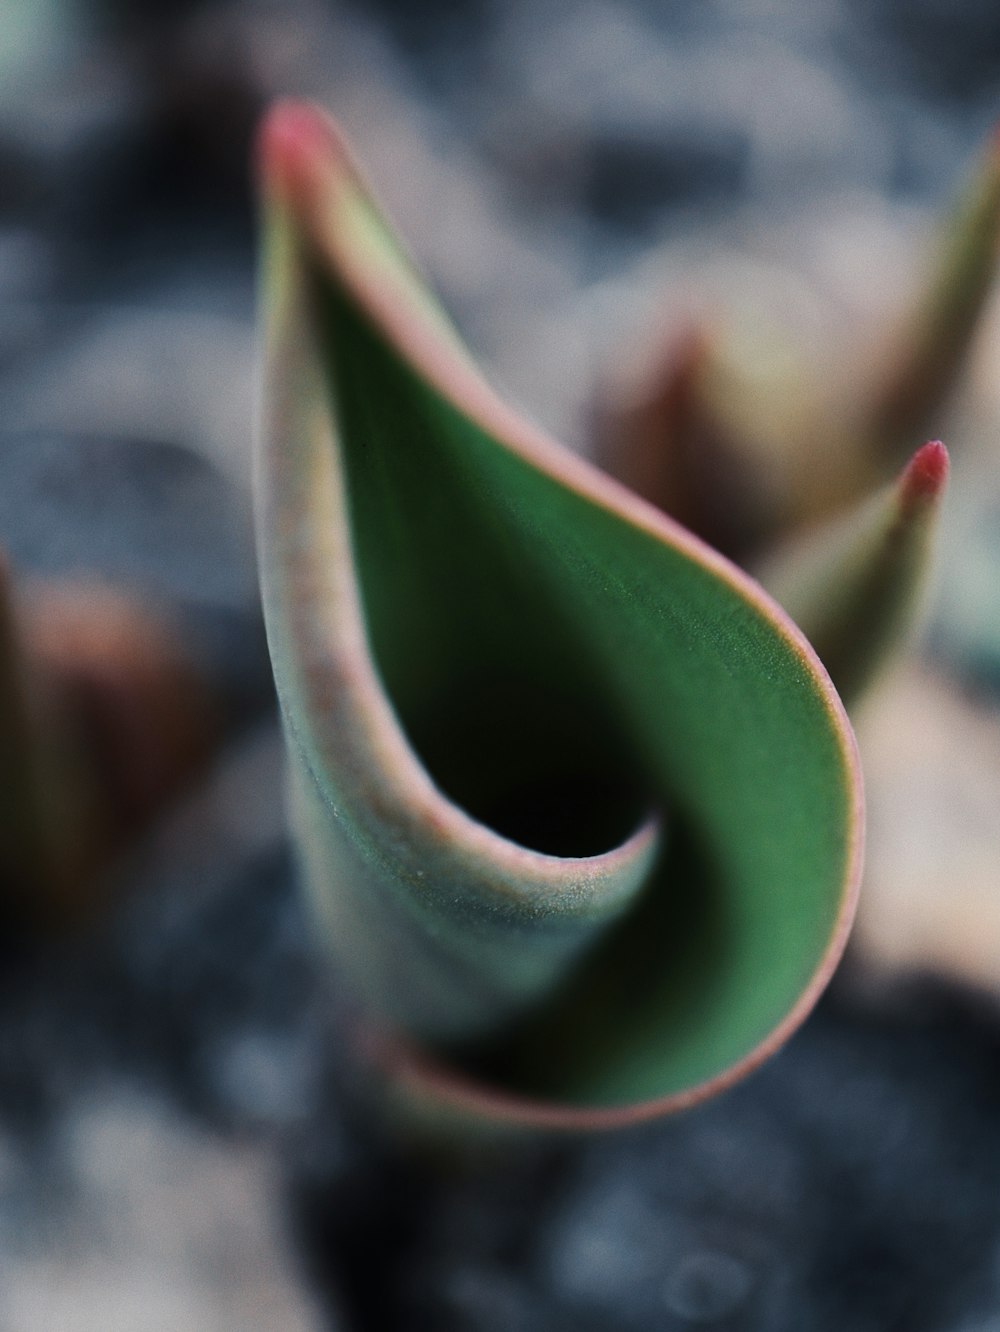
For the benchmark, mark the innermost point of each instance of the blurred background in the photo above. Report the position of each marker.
(179, 1146)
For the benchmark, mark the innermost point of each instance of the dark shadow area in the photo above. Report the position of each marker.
(497, 693)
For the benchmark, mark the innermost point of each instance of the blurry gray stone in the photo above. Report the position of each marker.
(608, 1243)
(706, 1287)
(265, 1079)
(145, 512)
(144, 373)
(162, 1228)
(480, 1300)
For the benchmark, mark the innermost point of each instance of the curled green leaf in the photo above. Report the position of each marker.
(577, 805)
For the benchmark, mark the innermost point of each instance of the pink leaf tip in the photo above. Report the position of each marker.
(294, 140)
(925, 475)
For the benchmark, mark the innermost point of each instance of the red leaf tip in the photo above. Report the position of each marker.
(294, 139)
(925, 475)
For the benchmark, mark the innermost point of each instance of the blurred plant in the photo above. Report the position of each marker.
(103, 719)
(748, 456)
(577, 805)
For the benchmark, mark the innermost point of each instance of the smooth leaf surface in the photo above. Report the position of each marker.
(576, 802)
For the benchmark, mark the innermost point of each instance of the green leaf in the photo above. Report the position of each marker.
(925, 356)
(853, 586)
(578, 808)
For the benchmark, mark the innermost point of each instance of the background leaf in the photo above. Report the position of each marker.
(854, 584)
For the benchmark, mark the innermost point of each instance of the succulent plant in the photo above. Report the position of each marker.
(578, 807)
(551, 757)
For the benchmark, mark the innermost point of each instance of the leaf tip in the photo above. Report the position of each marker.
(925, 475)
(294, 138)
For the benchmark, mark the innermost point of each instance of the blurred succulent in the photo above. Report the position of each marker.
(102, 720)
(748, 456)
(578, 807)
